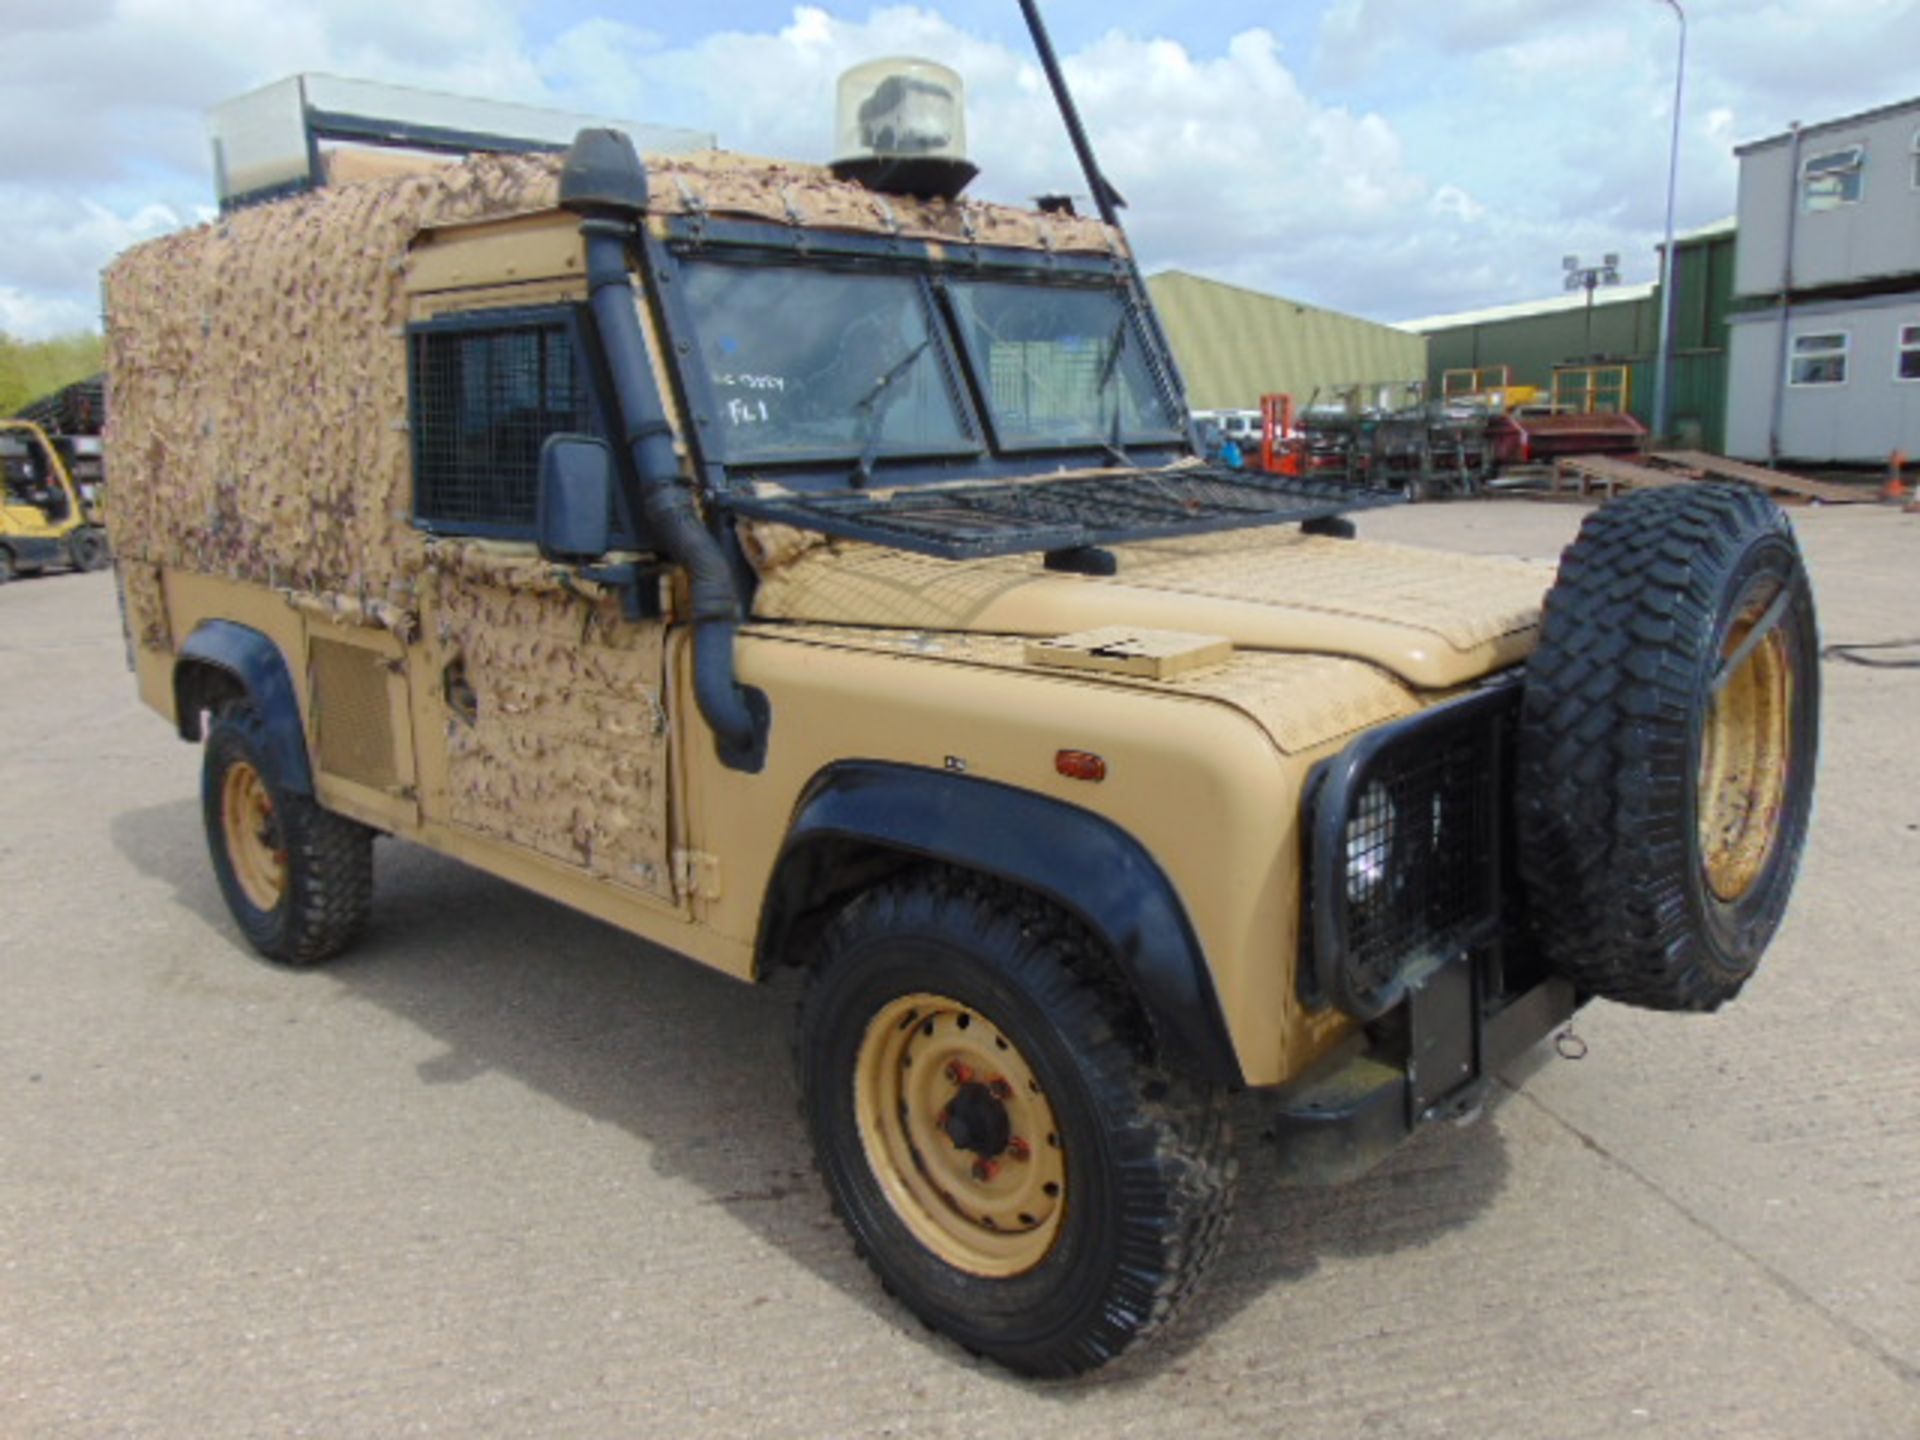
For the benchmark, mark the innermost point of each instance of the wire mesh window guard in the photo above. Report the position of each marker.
(485, 398)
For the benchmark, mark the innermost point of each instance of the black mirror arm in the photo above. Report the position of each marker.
(637, 582)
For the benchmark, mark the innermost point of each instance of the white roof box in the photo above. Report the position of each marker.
(268, 143)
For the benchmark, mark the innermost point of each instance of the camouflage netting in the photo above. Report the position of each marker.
(257, 364)
(562, 746)
(257, 387)
(257, 383)
(725, 184)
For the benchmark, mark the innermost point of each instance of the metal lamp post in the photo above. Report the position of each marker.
(1590, 278)
(1662, 360)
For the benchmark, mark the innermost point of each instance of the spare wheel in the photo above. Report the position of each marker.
(1668, 734)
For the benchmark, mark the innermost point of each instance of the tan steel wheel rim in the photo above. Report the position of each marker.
(960, 1135)
(253, 836)
(1745, 754)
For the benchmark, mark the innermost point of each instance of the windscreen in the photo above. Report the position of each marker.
(810, 364)
(1060, 366)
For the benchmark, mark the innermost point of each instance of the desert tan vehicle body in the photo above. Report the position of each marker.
(1126, 745)
(638, 823)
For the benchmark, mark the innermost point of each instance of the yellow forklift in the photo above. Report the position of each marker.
(45, 519)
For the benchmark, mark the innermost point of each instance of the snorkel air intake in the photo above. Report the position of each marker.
(605, 184)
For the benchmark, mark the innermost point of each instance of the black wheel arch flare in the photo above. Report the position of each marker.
(1075, 859)
(221, 656)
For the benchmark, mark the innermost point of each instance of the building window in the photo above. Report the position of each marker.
(1906, 360)
(487, 392)
(1834, 179)
(1819, 359)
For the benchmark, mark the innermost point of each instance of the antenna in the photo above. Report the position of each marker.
(1108, 200)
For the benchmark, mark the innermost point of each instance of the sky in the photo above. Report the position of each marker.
(1392, 158)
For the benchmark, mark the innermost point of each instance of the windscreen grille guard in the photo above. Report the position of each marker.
(973, 522)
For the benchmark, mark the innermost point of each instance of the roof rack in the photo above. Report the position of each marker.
(267, 143)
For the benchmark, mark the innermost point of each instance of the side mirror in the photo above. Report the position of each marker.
(573, 518)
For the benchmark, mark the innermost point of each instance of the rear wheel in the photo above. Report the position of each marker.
(1668, 739)
(1006, 1159)
(297, 878)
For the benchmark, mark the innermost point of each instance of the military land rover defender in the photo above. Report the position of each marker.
(801, 574)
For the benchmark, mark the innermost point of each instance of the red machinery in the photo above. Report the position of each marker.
(1586, 414)
(1280, 450)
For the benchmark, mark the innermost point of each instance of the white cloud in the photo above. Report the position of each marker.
(1426, 157)
(35, 314)
(54, 241)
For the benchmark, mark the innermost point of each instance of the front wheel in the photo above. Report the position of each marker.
(1007, 1161)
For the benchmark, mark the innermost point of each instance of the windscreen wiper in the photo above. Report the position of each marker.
(1110, 367)
(877, 402)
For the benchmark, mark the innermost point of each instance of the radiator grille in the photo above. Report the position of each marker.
(353, 714)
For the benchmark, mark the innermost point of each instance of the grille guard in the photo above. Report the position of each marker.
(970, 522)
(1442, 889)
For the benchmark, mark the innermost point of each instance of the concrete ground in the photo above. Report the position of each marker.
(505, 1173)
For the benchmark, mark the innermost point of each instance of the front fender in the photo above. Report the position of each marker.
(1078, 860)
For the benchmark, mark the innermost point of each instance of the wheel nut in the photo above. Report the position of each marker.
(959, 1074)
(1001, 1089)
(984, 1170)
(1018, 1149)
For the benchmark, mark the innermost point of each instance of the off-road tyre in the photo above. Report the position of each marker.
(326, 896)
(87, 548)
(1147, 1155)
(1631, 900)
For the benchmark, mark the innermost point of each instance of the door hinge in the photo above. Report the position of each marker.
(695, 872)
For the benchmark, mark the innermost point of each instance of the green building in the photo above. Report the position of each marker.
(1622, 326)
(1235, 345)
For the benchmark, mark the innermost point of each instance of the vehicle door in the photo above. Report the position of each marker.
(540, 711)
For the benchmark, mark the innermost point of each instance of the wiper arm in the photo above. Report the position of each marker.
(877, 402)
(1116, 342)
(1115, 450)
(1109, 368)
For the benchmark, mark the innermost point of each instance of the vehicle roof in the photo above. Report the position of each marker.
(712, 182)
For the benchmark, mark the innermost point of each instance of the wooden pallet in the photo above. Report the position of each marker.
(1698, 465)
(1579, 477)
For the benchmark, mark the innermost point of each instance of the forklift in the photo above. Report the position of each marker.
(45, 519)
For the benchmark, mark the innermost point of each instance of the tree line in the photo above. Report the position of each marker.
(30, 369)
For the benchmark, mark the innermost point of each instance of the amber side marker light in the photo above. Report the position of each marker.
(1080, 765)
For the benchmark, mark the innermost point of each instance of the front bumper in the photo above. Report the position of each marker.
(1435, 1056)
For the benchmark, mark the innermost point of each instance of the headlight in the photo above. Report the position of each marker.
(1405, 851)
(1372, 836)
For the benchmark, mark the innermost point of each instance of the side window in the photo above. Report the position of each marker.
(1818, 359)
(1906, 359)
(1834, 179)
(486, 393)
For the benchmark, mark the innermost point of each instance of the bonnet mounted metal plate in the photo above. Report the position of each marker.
(1130, 650)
